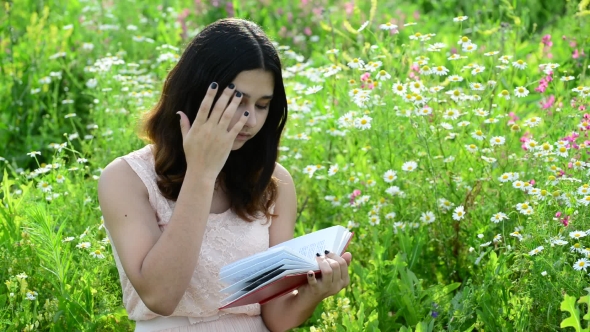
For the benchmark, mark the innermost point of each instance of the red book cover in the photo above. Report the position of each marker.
(276, 288)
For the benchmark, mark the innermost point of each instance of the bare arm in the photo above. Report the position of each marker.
(158, 265)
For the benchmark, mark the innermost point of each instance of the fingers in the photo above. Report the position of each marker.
(235, 130)
(206, 104)
(184, 124)
(325, 268)
(339, 266)
(222, 103)
(313, 282)
(230, 111)
(342, 266)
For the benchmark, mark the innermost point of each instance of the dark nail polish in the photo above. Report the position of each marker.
(238, 94)
(310, 274)
(231, 86)
(318, 254)
(327, 252)
(213, 85)
(246, 113)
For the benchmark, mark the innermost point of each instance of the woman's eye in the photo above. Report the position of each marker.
(262, 107)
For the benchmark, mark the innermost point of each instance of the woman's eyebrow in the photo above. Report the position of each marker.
(263, 97)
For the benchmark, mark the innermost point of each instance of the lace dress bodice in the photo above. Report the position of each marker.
(227, 238)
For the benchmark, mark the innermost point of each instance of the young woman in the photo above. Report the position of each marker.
(207, 191)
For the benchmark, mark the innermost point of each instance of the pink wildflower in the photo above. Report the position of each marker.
(548, 102)
(354, 194)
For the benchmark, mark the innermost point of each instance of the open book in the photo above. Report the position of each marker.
(280, 269)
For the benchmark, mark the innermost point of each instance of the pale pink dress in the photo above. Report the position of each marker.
(227, 238)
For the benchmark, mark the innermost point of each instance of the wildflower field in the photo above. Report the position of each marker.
(450, 136)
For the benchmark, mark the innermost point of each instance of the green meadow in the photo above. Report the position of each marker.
(451, 136)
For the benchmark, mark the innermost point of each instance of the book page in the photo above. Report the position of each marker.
(308, 245)
(269, 278)
(250, 271)
(253, 266)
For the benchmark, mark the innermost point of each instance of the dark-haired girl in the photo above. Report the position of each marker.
(207, 191)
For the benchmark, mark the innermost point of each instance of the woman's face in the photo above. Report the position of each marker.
(257, 87)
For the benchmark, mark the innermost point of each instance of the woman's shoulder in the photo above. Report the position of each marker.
(120, 171)
(281, 173)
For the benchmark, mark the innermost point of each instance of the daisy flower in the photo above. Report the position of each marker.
(505, 177)
(521, 91)
(471, 148)
(395, 191)
(478, 135)
(464, 40)
(309, 170)
(445, 204)
(452, 114)
(504, 94)
(390, 176)
(427, 217)
(424, 111)
(374, 220)
(409, 166)
(399, 89)
(356, 63)
(517, 235)
(398, 225)
(460, 19)
(454, 57)
(440, 70)
(455, 78)
(505, 59)
(577, 234)
(533, 122)
(425, 70)
(416, 86)
(536, 251)
(83, 245)
(333, 170)
(459, 213)
(470, 47)
(363, 123)
(383, 75)
(581, 264)
(390, 216)
(388, 26)
(497, 140)
(97, 254)
(519, 64)
(476, 86)
(496, 218)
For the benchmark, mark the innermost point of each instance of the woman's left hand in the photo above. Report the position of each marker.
(334, 276)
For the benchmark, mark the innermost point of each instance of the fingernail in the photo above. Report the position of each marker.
(231, 86)
(246, 113)
(310, 274)
(238, 94)
(318, 254)
(327, 252)
(179, 117)
(213, 85)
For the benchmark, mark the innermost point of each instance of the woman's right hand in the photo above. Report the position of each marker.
(208, 142)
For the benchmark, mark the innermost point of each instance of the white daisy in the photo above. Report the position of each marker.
(390, 176)
(459, 213)
(521, 91)
(409, 166)
(496, 218)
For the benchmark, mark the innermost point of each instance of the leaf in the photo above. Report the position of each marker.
(569, 304)
(585, 299)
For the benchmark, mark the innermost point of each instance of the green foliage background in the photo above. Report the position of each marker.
(423, 279)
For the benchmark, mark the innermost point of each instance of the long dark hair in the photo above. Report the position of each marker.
(218, 54)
